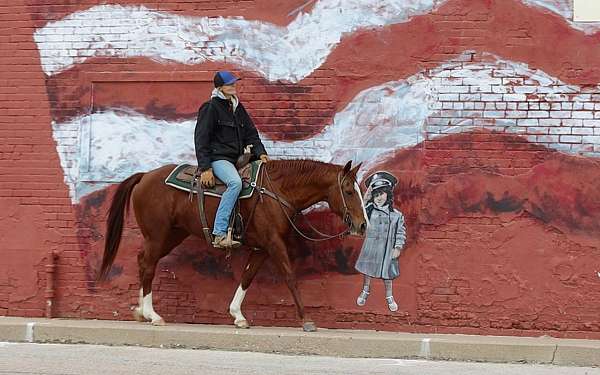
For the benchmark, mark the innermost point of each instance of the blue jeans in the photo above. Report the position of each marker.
(226, 172)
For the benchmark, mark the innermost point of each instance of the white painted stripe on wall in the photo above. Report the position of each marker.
(288, 53)
(375, 123)
(378, 120)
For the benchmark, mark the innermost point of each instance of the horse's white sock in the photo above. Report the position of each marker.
(235, 308)
(148, 309)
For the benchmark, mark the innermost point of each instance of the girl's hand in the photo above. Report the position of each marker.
(396, 253)
(367, 196)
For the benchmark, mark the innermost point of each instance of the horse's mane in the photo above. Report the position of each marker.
(294, 172)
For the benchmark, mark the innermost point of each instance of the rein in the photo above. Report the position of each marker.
(283, 202)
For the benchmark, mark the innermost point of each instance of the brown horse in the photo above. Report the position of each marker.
(166, 217)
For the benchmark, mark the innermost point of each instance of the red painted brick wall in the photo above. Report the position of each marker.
(500, 191)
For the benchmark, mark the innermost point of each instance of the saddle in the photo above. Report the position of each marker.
(183, 177)
(186, 177)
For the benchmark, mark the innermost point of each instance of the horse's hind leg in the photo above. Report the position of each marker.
(138, 311)
(151, 258)
(148, 260)
(255, 261)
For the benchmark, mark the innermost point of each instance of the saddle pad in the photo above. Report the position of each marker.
(181, 178)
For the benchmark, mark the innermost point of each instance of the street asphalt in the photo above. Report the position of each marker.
(61, 359)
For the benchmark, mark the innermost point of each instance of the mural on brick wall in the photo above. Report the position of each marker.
(488, 135)
(384, 240)
(492, 93)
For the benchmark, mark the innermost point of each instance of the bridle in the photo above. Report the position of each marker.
(346, 215)
(282, 202)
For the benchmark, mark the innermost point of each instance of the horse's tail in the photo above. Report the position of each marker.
(114, 223)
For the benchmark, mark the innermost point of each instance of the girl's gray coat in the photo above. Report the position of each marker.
(386, 231)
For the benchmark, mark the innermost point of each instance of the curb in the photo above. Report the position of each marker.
(326, 342)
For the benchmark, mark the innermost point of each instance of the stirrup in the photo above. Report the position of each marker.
(226, 242)
(229, 239)
(225, 245)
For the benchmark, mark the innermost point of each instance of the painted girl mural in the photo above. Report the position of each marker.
(385, 237)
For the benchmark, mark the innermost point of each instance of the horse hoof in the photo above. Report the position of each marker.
(159, 322)
(309, 327)
(137, 315)
(242, 324)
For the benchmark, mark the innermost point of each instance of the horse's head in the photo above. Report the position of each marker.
(345, 199)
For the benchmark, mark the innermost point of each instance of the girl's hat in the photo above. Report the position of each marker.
(380, 180)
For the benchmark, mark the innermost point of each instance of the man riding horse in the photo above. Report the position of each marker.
(223, 129)
(167, 216)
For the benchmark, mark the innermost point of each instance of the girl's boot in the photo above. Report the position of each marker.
(392, 305)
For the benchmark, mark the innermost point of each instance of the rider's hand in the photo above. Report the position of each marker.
(207, 178)
(396, 253)
(265, 158)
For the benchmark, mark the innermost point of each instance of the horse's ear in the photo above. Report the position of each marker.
(354, 170)
(347, 167)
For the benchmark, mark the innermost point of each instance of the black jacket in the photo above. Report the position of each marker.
(222, 135)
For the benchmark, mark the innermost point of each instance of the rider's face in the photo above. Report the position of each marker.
(229, 89)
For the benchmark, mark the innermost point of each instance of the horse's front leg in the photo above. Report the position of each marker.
(255, 261)
(280, 256)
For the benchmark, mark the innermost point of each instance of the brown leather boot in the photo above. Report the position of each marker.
(225, 242)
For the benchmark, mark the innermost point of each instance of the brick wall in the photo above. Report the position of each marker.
(508, 97)
(486, 111)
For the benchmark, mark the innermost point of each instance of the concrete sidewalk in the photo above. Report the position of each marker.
(340, 343)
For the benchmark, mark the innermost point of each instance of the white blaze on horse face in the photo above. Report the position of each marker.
(148, 310)
(362, 202)
(235, 308)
